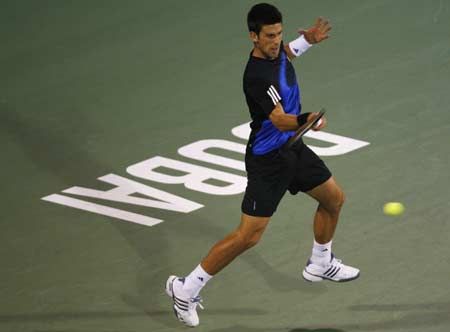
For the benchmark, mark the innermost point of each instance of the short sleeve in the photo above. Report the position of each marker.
(264, 94)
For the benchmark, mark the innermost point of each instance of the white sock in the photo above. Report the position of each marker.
(195, 281)
(321, 253)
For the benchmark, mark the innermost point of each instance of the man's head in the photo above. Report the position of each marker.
(265, 25)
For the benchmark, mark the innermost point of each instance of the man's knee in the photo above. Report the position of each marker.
(251, 230)
(252, 240)
(333, 201)
(340, 200)
(337, 200)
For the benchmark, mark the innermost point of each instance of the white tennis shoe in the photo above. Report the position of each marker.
(334, 271)
(184, 306)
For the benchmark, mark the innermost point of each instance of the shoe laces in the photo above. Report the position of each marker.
(196, 301)
(335, 262)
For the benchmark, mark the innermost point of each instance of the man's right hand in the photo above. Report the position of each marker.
(320, 124)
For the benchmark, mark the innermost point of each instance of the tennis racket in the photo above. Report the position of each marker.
(304, 129)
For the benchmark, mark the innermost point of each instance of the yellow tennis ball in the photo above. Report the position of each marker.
(393, 208)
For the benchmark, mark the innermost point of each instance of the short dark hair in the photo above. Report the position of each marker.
(262, 14)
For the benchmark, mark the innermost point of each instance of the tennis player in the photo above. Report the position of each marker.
(273, 98)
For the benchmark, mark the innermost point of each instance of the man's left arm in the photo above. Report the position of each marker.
(315, 34)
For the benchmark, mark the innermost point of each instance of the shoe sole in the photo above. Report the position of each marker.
(313, 278)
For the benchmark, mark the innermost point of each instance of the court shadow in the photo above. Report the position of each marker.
(50, 147)
(279, 281)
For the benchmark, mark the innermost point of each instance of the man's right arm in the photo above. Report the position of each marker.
(291, 122)
(269, 100)
(283, 121)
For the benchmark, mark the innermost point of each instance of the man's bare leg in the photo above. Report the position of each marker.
(225, 251)
(322, 264)
(331, 198)
(184, 291)
(244, 237)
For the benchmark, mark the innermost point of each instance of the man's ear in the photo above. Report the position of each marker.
(253, 36)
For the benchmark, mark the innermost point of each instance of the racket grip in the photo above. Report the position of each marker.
(302, 118)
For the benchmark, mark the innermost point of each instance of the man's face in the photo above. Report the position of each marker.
(268, 42)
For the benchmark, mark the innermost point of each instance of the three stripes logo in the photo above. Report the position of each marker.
(332, 271)
(180, 304)
(274, 95)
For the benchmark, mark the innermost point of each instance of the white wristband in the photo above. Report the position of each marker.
(299, 46)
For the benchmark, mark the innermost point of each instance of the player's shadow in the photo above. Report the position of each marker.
(279, 281)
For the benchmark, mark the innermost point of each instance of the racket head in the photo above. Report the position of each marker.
(305, 128)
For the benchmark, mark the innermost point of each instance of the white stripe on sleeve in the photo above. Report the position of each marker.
(275, 92)
(274, 101)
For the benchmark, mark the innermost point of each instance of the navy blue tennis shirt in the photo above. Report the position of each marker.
(267, 82)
